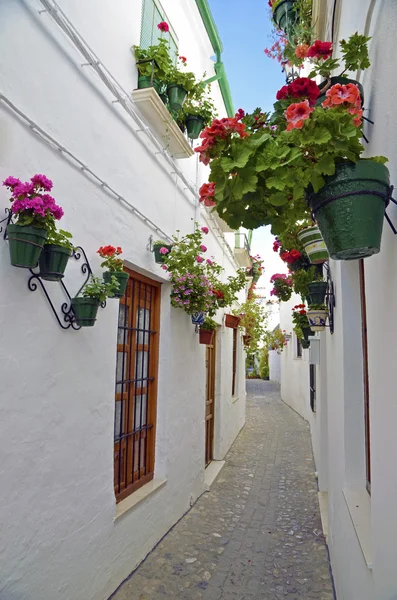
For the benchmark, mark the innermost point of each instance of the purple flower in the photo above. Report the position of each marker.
(163, 250)
(164, 267)
(209, 261)
(204, 229)
(203, 248)
(11, 182)
(42, 181)
(199, 259)
(23, 189)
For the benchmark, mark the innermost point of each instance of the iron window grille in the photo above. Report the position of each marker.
(153, 14)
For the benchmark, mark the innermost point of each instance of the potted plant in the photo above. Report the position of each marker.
(114, 266)
(154, 62)
(310, 284)
(207, 329)
(253, 321)
(160, 250)
(55, 255)
(85, 307)
(354, 53)
(301, 323)
(317, 315)
(199, 110)
(35, 213)
(232, 321)
(284, 13)
(179, 84)
(282, 286)
(314, 244)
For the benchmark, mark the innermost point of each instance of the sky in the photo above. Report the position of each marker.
(245, 30)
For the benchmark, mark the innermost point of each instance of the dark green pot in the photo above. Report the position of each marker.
(307, 332)
(194, 126)
(317, 290)
(342, 81)
(158, 257)
(121, 277)
(145, 82)
(85, 311)
(305, 344)
(352, 226)
(176, 96)
(164, 98)
(284, 14)
(26, 244)
(53, 262)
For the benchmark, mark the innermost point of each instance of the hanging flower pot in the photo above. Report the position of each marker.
(284, 14)
(232, 321)
(350, 208)
(176, 96)
(194, 125)
(342, 81)
(159, 251)
(85, 311)
(198, 318)
(317, 290)
(314, 244)
(307, 331)
(122, 279)
(145, 81)
(206, 336)
(26, 244)
(317, 318)
(246, 340)
(305, 344)
(53, 262)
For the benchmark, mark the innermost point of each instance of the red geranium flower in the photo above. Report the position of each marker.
(320, 50)
(207, 193)
(163, 26)
(283, 93)
(183, 59)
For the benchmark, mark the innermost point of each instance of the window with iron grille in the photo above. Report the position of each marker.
(298, 347)
(234, 371)
(152, 15)
(136, 385)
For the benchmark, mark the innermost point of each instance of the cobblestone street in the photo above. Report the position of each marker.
(257, 534)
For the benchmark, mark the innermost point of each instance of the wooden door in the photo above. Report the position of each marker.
(210, 400)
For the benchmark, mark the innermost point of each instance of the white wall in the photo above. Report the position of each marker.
(59, 536)
(274, 366)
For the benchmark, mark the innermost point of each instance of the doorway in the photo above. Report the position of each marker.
(210, 400)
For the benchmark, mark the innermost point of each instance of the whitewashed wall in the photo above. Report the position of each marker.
(362, 552)
(59, 537)
(274, 366)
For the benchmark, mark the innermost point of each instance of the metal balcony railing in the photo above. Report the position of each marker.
(241, 242)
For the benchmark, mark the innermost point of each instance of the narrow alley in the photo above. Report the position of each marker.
(257, 534)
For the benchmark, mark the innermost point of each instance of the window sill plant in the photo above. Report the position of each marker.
(35, 212)
(207, 331)
(85, 307)
(55, 255)
(114, 266)
(179, 84)
(154, 62)
(317, 315)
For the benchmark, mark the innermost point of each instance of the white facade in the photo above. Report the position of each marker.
(362, 526)
(60, 537)
(274, 366)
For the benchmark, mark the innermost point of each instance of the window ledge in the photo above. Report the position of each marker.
(359, 504)
(138, 496)
(163, 125)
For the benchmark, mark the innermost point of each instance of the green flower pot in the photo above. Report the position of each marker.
(307, 332)
(145, 82)
(352, 225)
(176, 96)
(85, 311)
(314, 244)
(158, 257)
(284, 14)
(26, 244)
(305, 344)
(194, 125)
(317, 290)
(342, 81)
(53, 262)
(122, 279)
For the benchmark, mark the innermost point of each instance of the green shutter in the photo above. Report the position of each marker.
(152, 15)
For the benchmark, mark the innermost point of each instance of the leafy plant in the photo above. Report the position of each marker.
(98, 289)
(60, 237)
(275, 340)
(264, 363)
(208, 324)
(253, 319)
(110, 254)
(300, 320)
(318, 307)
(200, 105)
(301, 279)
(160, 54)
(282, 286)
(354, 56)
(186, 79)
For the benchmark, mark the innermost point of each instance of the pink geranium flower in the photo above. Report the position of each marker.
(164, 250)
(205, 229)
(296, 114)
(199, 259)
(163, 26)
(203, 248)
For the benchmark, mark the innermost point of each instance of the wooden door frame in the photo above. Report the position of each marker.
(210, 373)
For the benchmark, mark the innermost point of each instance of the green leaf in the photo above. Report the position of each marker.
(275, 182)
(278, 199)
(326, 165)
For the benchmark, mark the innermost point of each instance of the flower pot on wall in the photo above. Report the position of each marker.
(26, 244)
(198, 318)
(145, 82)
(349, 210)
(246, 340)
(159, 256)
(206, 336)
(122, 279)
(194, 126)
(317, 291)
(85, 311)
(307, 332)
(232, 321)
(317, 319)
(53, 262)
(176, 96)
(314, 244)
(305, 344)
(342, 81)
(284, 14)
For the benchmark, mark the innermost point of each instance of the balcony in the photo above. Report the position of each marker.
(242, 249)
(161, 122)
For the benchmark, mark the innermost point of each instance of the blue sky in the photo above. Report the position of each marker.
(245, 30)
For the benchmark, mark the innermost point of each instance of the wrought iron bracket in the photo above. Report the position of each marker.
(394, 230)
(330, 298)
(149, 246)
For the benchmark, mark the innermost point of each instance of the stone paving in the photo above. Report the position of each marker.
(257, 534)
